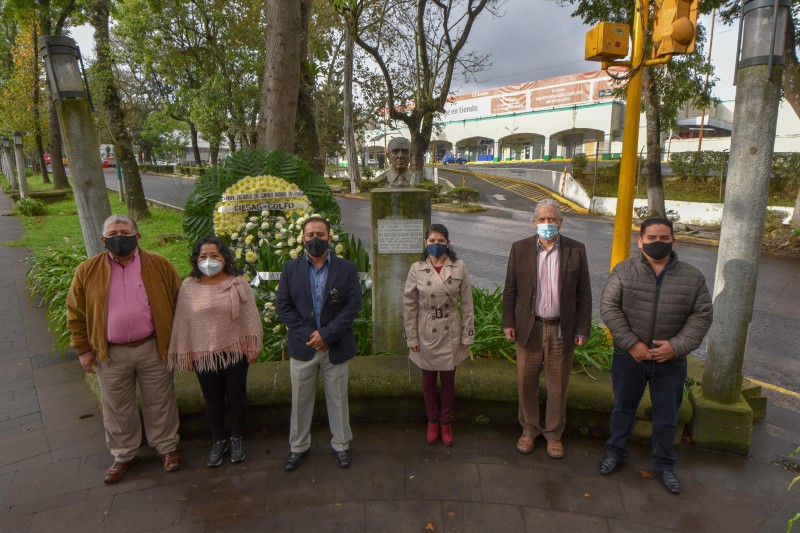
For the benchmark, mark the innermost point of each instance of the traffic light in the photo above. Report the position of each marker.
(607, 41)
(674, 27)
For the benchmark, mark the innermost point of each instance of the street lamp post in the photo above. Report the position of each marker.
(20, 156)
(63, 64)
(9, 161)
(759, 71)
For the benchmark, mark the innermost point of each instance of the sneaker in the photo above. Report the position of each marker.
(237, 450)
(218, 449)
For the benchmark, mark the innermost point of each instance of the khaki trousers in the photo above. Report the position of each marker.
(543, 351)
(304, 392)
(118, 378)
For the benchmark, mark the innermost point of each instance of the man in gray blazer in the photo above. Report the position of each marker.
(547, 310)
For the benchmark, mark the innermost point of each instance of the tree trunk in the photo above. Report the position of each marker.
(349, 130)
(419, 145)
(655, 185)
(280, 90)
(115, 116)
(195, 148)
(56, 148)
(213, 154)
(795, 221)
(791, 73)
(231, 142)
(37, 116)
(307, 144)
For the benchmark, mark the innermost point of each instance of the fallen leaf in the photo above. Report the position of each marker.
(645, 474)
(587, 495)
(451, 514)
(429, 526)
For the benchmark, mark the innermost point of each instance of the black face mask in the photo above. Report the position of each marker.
(316, 247)
(657, 250)
(121, 245)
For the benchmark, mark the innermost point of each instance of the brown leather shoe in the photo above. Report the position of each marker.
(117, 471)
(555, 449)
(525, 444)
(172, 461)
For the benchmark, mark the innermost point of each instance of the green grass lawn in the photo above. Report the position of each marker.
(61, 224)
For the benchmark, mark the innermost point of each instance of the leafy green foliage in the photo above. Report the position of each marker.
(696, 166)
(198, 217)
(464, 195)
(579, 163)
(490, 341)
(596, 353)
(48, 279)
(28, 207)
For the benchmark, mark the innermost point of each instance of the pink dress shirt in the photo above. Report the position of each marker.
(547, 297)
(129, 315)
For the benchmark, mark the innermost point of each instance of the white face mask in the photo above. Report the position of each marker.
(209, 267)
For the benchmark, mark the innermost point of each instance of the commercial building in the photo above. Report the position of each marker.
(558, 117)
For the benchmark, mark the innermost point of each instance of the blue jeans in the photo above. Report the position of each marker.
(629, 378)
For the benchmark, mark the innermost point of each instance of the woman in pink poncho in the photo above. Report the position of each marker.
(217, 333)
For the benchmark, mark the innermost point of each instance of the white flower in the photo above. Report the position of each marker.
(261, 242)
(265, 225)
(335, 238)
(235, 237)
(339, 248)
(291, 241)
(250, 225)
(279, 225)
(276, 329)
(250, 256)
(293, 254)
(248, 239)
(253, 219)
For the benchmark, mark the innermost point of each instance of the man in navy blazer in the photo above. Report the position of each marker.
(319, 297)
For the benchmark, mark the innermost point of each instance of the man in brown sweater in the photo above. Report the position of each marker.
(119, 312)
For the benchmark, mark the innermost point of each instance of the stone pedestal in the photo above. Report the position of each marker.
(724, 427)
(399, 219)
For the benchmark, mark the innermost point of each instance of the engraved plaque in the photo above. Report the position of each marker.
(400, 236)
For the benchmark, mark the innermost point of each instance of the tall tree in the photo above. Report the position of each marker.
(351, 11)
(115, 115)
(306, 134)
(417, 45)
(282, 74)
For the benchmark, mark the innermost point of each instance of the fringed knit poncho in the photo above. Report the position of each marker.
(215, 325)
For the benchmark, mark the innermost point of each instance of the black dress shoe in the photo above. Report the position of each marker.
(343, 458)
(670, 481)
(294, 459)
(608, 464)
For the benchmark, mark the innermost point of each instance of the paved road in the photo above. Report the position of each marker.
(484, 241)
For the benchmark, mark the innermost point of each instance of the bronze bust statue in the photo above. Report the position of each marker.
(399, 173)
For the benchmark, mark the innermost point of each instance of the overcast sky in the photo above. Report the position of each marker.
(536, 39)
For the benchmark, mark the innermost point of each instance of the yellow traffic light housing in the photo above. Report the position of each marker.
(607, 41)
(674, 27)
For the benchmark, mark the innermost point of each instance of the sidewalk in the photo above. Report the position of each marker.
(53, 459)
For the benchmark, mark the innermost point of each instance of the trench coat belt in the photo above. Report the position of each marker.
(549, 320)
(436, 313)
(134, 344)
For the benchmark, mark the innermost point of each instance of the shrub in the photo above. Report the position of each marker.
(696, 166)
(596, 353)
(490, 340)
(368, 185)
(643, 212)
(29, 207)
(49, 278)
(464, 195)
(579, 163)
(428, 185)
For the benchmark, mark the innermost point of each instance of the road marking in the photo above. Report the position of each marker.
(775, 388)
(498, 197)
(530, 191)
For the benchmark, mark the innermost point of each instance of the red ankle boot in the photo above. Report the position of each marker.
(433, 432)
(447, 434)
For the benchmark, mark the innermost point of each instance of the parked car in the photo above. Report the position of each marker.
(110, 161)
(47, 160)
(457, 159)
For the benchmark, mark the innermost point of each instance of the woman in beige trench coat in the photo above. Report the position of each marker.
(438, 336)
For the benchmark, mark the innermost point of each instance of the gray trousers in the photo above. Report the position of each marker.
(118, 379)
(304, 392)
